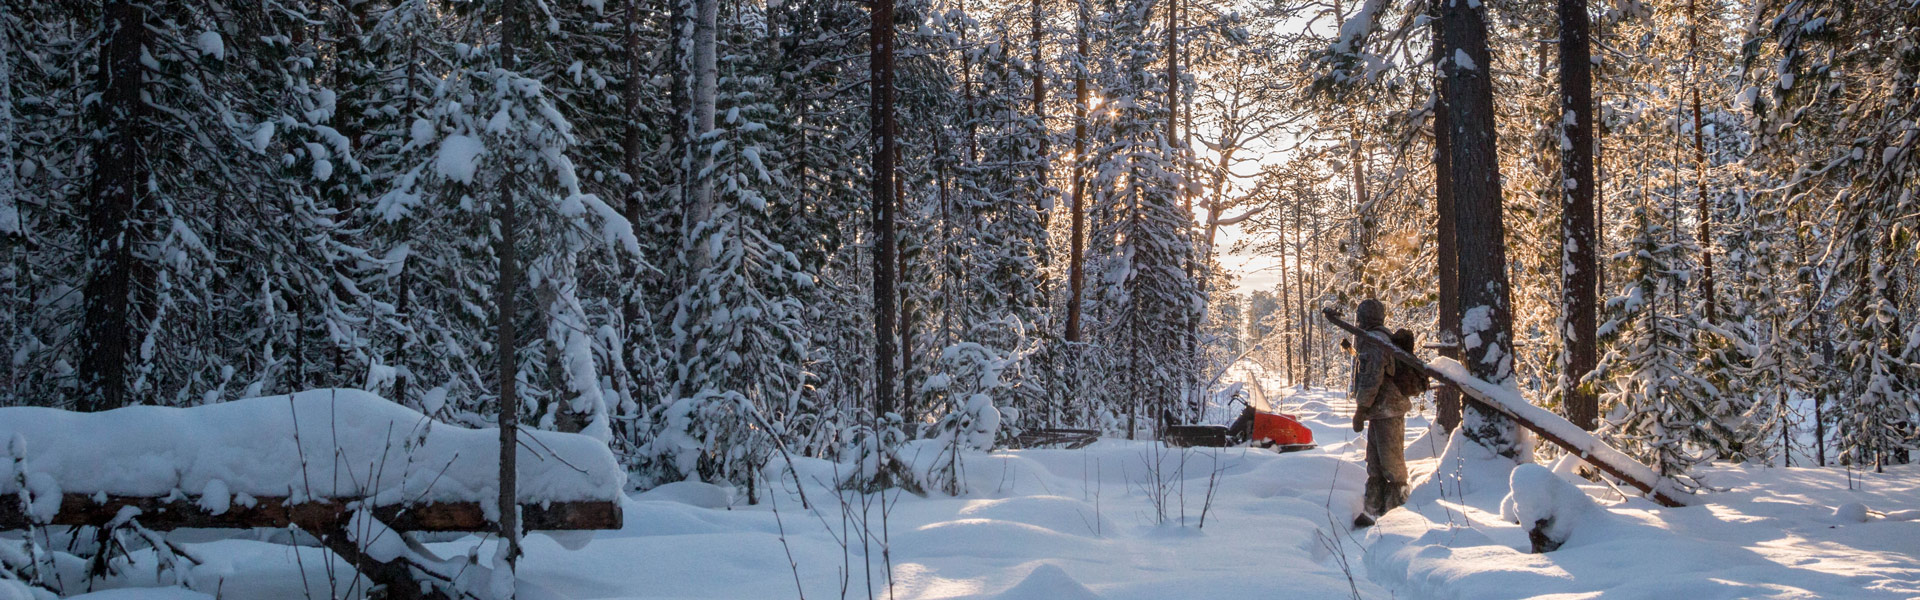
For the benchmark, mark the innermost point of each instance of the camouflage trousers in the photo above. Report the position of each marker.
(1386, 465)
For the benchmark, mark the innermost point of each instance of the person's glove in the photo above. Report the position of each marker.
(1359, 425)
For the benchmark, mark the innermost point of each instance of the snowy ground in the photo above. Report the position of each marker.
(1769, 533)
(1037, 524)
(1076, 524)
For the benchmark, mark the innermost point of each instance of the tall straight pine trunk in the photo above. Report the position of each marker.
(1447, 254)
(116, 194)
(1486, 322)
(881, 115)
(1708, 299)
(506, 307)
(1076, 253)
(1040, 203)
(1579, 248)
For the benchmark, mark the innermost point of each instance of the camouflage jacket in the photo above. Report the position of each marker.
(1374, 395)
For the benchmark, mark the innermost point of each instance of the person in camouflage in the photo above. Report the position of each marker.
(1380, 409)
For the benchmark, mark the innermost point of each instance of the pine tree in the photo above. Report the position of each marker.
(1486, 323)
(736, 329)
(1579, 237)
(1146, 289)
(1657, 399)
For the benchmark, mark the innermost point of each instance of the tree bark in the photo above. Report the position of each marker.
(1310, 277)
(1486, 324)
(1191, 344)
(119, 178)
(632, 140)
(1040, 110)
(705, 82)
(636, 280)
(881, 115)
(1579, 248)
(1076, 269)
(1700, 166)
(1447, 255)
(506, 301)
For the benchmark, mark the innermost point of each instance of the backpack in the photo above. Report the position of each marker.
(1411, 382)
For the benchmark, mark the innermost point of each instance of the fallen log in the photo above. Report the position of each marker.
(163, 514)
(1550, 427)
(1070, 439)
(360, 474)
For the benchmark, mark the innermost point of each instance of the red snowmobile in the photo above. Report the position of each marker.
(1258, 426)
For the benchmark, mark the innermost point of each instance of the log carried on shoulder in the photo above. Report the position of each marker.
(1548, 426)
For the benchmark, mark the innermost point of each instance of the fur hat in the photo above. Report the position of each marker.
(1372, 314)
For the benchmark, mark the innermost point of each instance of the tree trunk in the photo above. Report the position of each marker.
(120, 158)
(903, 281)
(12, 237)
(10, 224)
(632, 151)
(1579, 250)
(1285, 317)
(506, 301)
(1447, 255)
(1310, 280)
(1486, 323)
(635, 279)
(881, 115)
(1173, 72)
(706, 74)
(1700, 165)
(966, 92)
(1040, 111)
(1191, 344)
(1076, 269)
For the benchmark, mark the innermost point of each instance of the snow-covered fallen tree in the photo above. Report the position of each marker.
(355, 471)
(314, 445)
(1561, 432)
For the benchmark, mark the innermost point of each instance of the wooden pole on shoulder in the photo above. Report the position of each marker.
(1473, 394)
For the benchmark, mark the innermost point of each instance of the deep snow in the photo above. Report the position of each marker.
(1769, 533)
(1122, 520)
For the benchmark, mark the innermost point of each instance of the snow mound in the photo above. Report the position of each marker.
(339, 444)
(987, 538)
(1465, 470)
(692, 493)
(1549, 508)
(1048, 582)
(1432, 441)
(1851, 512)
(1057, 513)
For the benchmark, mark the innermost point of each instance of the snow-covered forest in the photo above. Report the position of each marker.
(817, 256)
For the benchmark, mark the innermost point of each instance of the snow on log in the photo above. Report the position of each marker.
(1561, 432)
(305, 458)
(1549, 426)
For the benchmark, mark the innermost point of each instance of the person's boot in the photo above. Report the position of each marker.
(1362, 521)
